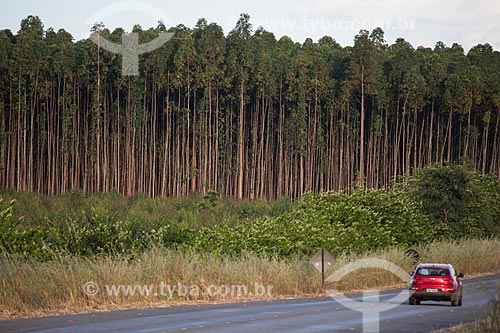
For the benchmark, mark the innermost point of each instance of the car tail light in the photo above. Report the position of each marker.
(415, 281)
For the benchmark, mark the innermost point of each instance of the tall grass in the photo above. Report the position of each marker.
(491, 324)
(469, 256)
(33, 287)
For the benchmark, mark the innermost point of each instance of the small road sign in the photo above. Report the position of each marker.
(322, 261)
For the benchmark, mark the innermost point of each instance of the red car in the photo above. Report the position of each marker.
(436, 282)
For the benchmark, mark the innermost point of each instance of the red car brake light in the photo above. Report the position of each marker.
(417, 279)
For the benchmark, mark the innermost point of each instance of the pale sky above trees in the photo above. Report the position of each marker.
(423, 22)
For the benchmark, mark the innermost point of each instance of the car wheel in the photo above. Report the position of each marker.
(414, 301)
(455, 301)
(460, 301)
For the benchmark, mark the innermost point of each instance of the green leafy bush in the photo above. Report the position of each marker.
(487, 208)
(358, 222)
(96, 232)
(460, 201)
(438, 202)
(16, 237)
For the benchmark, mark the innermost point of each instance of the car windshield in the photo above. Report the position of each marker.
(433, 271)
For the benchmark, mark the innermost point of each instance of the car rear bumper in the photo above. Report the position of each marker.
(432, 296)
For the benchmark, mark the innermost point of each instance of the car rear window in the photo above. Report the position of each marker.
(433, 271)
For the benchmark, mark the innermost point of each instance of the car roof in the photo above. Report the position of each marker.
(435, 265)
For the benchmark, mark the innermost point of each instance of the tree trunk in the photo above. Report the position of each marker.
(361, 177)
(241, 145)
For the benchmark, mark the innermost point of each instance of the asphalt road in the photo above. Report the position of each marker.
(322, 314)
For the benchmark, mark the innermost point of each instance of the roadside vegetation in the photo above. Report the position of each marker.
(42, 287)
(490, 324)
(438, 203)
(52, 246)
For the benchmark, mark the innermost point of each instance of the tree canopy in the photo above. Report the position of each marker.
(245, 114)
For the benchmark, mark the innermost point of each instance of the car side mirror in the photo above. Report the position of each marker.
(460, 275)
(412, 273)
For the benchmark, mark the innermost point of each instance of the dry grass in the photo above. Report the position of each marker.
(470, 256)
(463, 328)
(489, 324)
(34, 288)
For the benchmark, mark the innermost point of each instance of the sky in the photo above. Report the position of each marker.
(421, 22)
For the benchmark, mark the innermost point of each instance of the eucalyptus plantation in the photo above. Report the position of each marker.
(246, 115)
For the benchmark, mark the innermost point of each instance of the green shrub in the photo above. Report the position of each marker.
(439, 201)
(361, 221)
(487, 208)
(460, 201)
(17, 238)
(96, 232)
